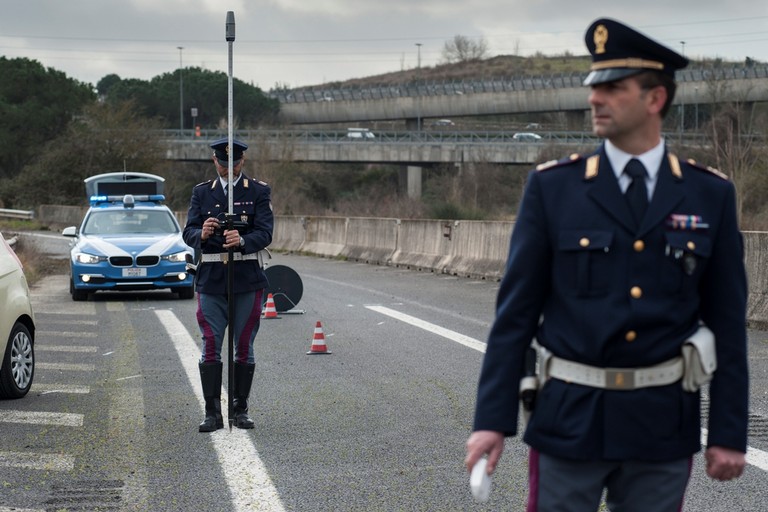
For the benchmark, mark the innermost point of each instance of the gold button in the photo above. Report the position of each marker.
(639, 245)
(630, 336)
(691, 246)
(584, 242)
(636, 292)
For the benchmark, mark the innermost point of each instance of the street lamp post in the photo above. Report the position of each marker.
(181, 95)
(418, 78)
(682, 103)
(418, 58)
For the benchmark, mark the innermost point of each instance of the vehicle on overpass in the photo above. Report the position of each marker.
(527, 137)
(128, 240)
(360, 134)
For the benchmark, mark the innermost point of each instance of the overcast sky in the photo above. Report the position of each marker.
(309, 42)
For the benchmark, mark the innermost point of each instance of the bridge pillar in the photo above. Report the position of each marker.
(410, 181)
(414, 124)
(577, 120)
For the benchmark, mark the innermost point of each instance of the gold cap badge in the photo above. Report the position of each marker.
(600, 38)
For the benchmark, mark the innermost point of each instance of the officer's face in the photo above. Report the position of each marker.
(622, 111)
(223, 170)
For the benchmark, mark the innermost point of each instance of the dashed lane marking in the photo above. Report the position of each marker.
(249, 483)
(427, 326)
(60, 388)
(41, 461)
(66, 366)
(67, 334)
(755, 457)
(65, 348)
(63, 419)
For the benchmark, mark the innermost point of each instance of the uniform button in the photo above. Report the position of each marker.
(630, 336)
(636, 292)
(639, 245)
(691, 246)
(584, 242)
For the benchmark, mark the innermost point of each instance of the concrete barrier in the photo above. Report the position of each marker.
(371, 240)
(289, 230)
(325, 236)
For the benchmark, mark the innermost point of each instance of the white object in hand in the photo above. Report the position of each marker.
(480, 482)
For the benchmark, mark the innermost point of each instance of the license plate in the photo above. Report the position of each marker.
(134, 272)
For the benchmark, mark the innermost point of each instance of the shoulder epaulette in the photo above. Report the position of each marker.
(262, 183)
(710, 170)
(552, 164)
(203, 183)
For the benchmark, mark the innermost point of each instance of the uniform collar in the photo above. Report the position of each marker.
(234, 183)
(651, 159)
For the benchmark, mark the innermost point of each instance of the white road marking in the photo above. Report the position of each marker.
(436, 329)
(42, 418)
(41, 461)
(65, 366)
(249, 483)
(755, 457)
(60, 388)
(126, 378)
(65, 348)
(68, 334)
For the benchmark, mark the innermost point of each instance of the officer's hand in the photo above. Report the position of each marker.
(483, 442)
(231, 239)
(209, 226)
(724, 463)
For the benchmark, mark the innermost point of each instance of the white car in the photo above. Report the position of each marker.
(527, 137)
(17, 327)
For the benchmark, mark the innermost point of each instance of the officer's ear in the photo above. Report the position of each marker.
(656, 98)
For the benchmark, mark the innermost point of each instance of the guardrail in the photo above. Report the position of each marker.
(16, 214)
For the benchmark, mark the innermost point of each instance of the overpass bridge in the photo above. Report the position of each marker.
(500, 96)
(413, 148)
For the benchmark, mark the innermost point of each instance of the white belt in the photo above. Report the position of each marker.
(616, 378)
(224, 257)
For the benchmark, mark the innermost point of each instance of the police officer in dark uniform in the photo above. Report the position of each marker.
(205, 231)
(618, 259)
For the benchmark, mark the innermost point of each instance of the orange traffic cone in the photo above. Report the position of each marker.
(318, 341)
(269, 310)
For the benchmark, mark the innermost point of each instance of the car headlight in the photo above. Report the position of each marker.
(179, 257)
(88, 259)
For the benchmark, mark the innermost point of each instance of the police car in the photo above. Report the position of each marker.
(128, 240)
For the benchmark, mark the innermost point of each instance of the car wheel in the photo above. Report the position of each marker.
(187, 293)
(77, 295)
(18, 363)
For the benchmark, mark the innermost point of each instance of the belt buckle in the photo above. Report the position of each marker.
(619, 379)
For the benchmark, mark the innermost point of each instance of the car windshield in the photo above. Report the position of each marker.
(128, 221)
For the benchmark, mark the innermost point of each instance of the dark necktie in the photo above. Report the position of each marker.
(637, 193)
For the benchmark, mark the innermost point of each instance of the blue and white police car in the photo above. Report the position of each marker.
(128, 240)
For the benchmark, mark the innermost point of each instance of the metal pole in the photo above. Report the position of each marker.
(230, 35)
(181, 96)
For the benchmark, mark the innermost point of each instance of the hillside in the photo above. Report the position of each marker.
(498, 66)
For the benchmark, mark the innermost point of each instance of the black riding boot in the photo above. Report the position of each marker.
(210, 377)
(243, 380)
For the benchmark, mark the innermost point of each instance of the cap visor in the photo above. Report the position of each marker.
(225, 162)
(602, 76)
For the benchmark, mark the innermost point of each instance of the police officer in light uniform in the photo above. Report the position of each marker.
(205, 232)
(615, 260)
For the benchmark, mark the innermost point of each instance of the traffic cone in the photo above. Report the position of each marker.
(269, 310)
(318, 341)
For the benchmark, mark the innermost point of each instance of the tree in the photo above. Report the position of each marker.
(463, 49)
(203, 89)
(107, 138)
(36, 105)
